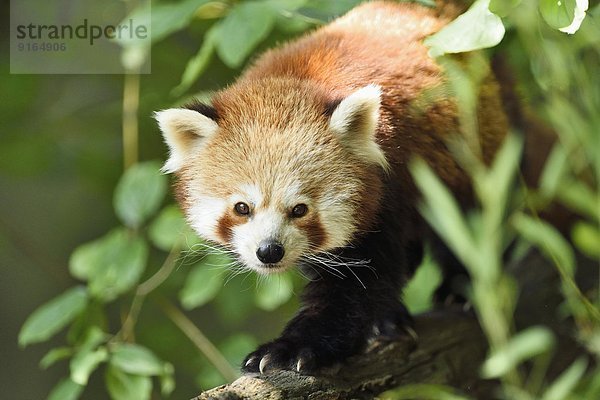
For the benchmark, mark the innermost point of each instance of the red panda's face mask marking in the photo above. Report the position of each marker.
(276, 189)
(269, 233)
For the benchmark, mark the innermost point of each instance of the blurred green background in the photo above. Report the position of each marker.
(61, 157)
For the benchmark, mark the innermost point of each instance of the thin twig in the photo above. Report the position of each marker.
(144, 288)
(131, 99)
(199, 339)
(162, 274)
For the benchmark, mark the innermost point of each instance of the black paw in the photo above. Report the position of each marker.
(282, 354)
(393, 325)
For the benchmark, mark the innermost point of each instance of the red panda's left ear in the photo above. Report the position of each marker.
(183, 131)
(355, 121)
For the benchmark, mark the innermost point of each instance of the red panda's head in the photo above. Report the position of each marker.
(274, 171)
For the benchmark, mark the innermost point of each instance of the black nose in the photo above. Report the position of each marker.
(270, 252)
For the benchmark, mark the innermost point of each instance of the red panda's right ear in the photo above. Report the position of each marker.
(355, 121)
(183, 130)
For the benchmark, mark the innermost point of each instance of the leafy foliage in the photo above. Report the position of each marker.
(139, 193)
(480, 237)
(53, 316)
(120, 269)
(66, 390)
(203, 282)
(558, 14)
(478, 28)
(418, 293)
(111, 265)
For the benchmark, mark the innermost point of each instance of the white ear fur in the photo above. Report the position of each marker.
(183, 130)
(355, 120)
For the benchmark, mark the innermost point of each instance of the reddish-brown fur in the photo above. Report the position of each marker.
(332, 62)
(225, 225)
(314, 231)
(276, 132)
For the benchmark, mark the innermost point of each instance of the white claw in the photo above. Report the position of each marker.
(412, 333)
(299, 365)
(263, 364)
(250, 361)
(376, 331)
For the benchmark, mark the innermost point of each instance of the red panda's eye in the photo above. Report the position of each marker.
(242, 208)
(299, 210)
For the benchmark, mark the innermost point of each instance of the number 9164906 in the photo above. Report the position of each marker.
(43, 46)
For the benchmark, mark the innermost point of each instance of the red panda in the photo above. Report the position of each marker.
(303, 163)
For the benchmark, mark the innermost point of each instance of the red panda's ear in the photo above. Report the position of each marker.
(355, 121)
(183, 130)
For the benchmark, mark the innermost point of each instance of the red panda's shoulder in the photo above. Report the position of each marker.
(377, 42)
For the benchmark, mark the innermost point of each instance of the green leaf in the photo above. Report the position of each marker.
(54, 355)
(587, 238)
(418, 293)
(495, 186)
(558, 13)
(167, 381)
(286, 5)
(66, 390)
(136, 360)
(562, 386)
(124, 386)
(245, 27)
(88, 355)
(477, 28)
(521, 347)
(112, 264)
(503, 7)
(554, 171)
(85, 362)
(94, 336)
(198, 64)
(51, 317)
(273, 292)
(288, 20)
(204, 281)
(579, 197)
(325, 11)
(505, 166)
(591, 388)
(93, 318)
(139, 193)
(167, 229)
(441, 210)
(292, 23)
(166, 18)
(548, 239)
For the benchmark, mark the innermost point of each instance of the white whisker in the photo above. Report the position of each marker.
(330, 261)
(323, 265)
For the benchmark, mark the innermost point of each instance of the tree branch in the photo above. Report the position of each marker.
(449, 350)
